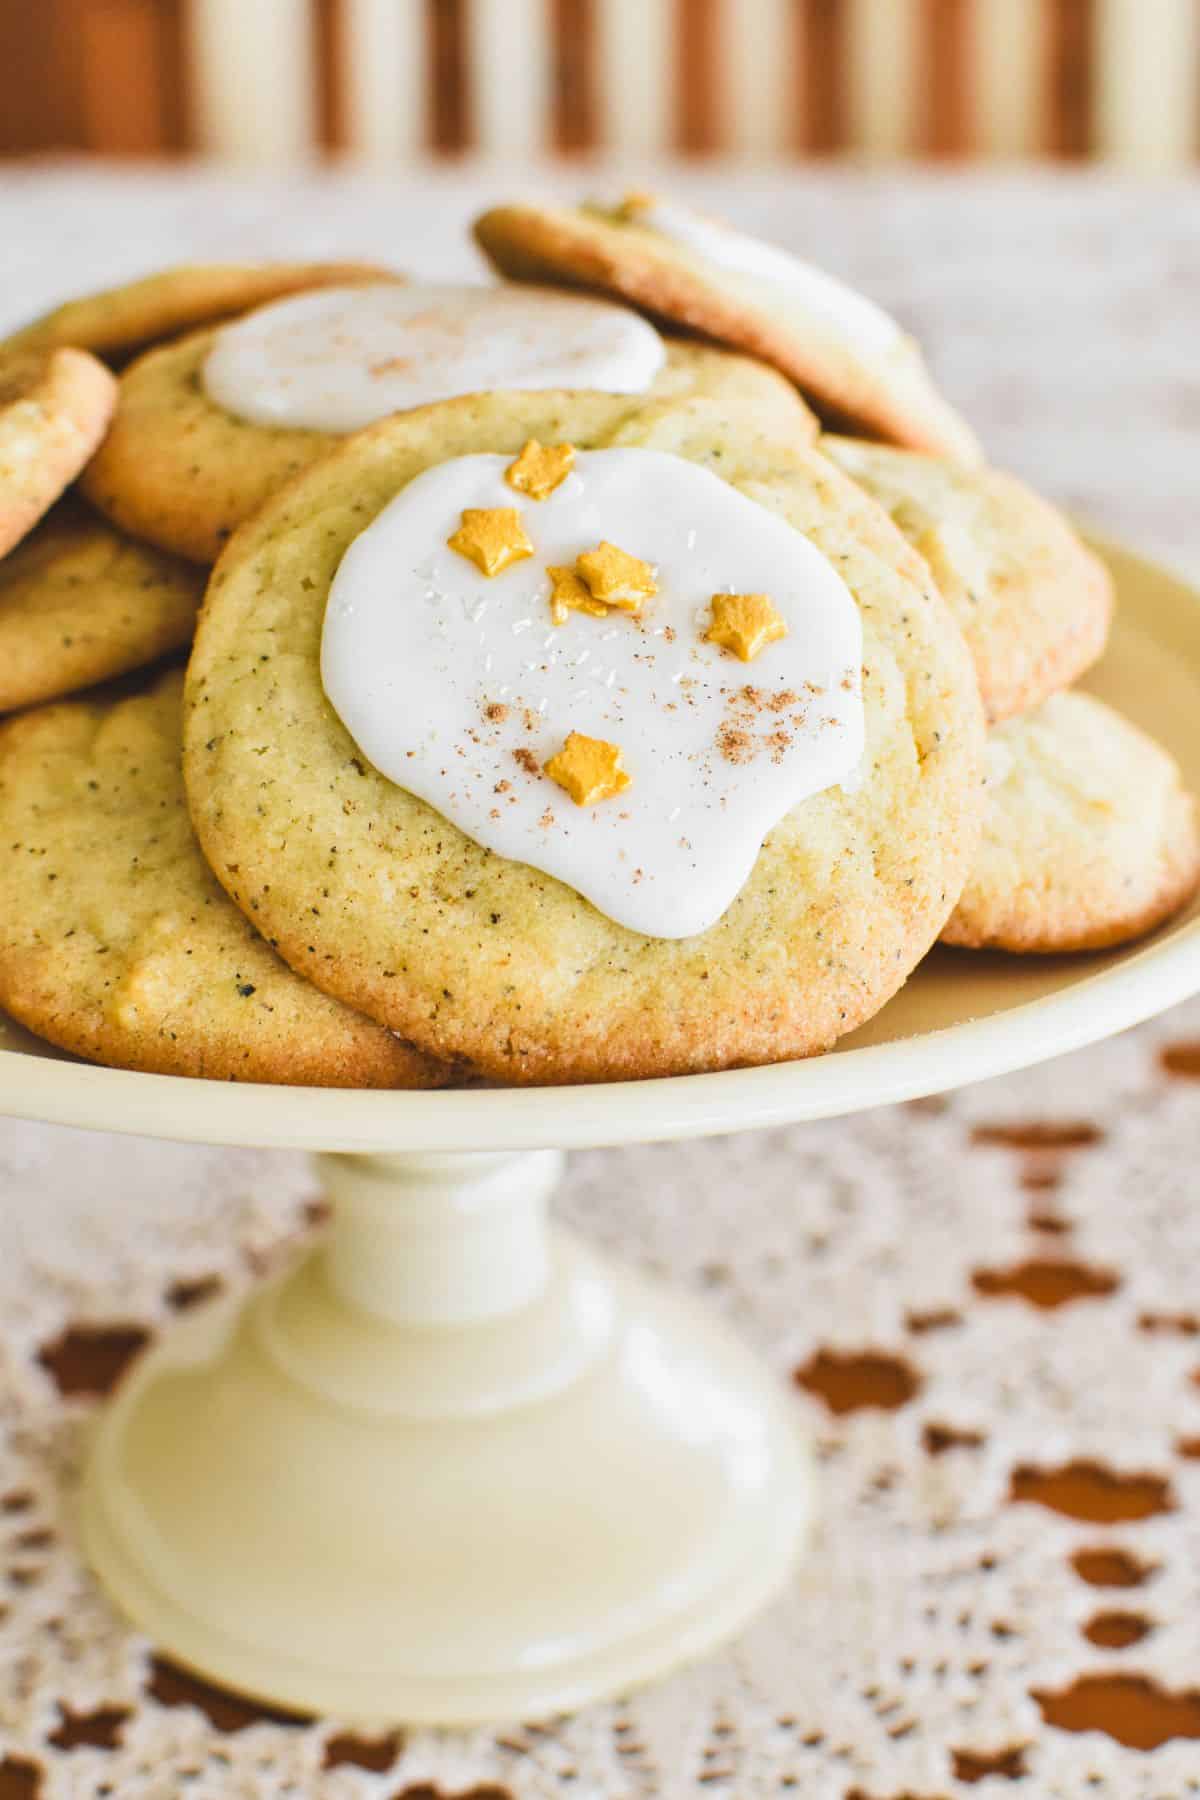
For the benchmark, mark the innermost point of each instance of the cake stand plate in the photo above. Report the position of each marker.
(456, 1466)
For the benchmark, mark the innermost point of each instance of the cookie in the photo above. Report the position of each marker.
(54, 409)
(79, 603)
(854, 363)
(1089, 837)
(1034, 603)
(115, 941)
(375, 896)
(183, 473)
(120, 320)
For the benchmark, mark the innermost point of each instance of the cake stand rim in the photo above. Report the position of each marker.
(55, 1089)
(354, 1121)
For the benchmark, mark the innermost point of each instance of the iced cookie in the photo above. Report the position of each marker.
(1089, 837)
(54, 409)
(79, 602)
(1034, 603)
(120, 320)
(855, 363)
(529, 684)
(210, 426)
(115, 941)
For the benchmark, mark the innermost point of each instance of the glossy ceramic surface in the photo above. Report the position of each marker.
(451, 1468)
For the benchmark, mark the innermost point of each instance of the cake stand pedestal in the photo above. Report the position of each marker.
(455, 1465)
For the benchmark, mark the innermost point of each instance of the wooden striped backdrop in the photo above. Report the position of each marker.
(270, 80)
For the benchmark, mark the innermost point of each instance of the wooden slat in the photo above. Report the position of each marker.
(797, 98)
(758, 69)
(823, 75)
(945, 78)
(697, 120)
(253, 79)
(575, 96)
(451, 126)
(1067, 77)
(508, 69)
(636, 45)
(129, 76)
(1006, 54)
(1147, 92)
(178, 124)
(385, 77)
(881, 75)
(331, 26)
(39, 105)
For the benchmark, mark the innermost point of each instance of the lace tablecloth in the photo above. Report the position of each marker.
(987, 1303)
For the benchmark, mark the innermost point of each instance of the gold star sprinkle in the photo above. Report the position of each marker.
(569, 594)
(540, 468)
(589, 768)
(492, 536)
(617, 578)
(744, 623)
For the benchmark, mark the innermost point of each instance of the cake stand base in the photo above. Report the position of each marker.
(453, 1467)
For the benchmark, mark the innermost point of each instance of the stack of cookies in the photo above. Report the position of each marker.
(627, 669)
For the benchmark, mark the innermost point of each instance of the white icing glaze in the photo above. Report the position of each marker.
(849, 315)
(418, 644)
(337, 359)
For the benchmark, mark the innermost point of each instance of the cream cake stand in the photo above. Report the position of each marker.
(457, 1466)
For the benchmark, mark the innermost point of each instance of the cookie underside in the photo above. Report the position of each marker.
(608, 255)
